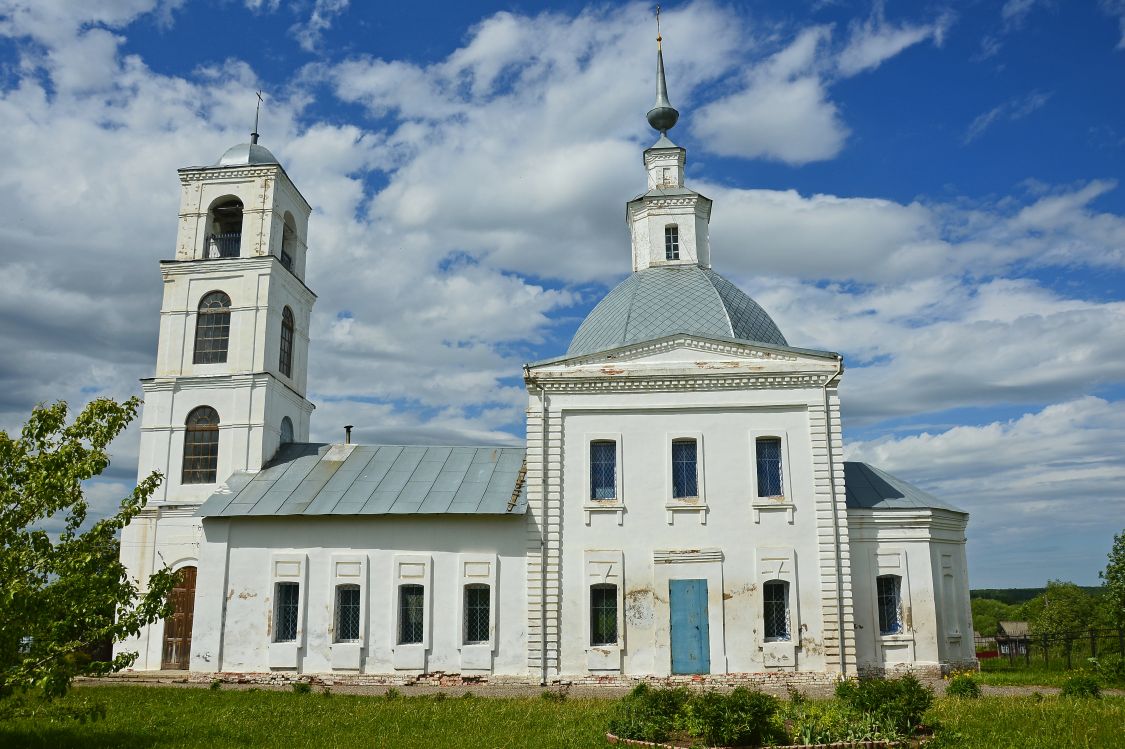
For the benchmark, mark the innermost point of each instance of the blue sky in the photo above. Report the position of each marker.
(932, 189)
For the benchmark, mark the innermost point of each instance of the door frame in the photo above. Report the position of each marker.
(178, 626)
(700, 602)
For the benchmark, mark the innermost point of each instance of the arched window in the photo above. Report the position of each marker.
(775, 610)
(289, 241)
(212, 329)
(201, 446)
(888, 591)
(224, 238)
(286, 430)
(285, 363)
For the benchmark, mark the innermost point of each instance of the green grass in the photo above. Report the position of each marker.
(1030, 723)
(169, 717)
(998, 672)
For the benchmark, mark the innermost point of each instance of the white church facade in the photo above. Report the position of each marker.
(681, 507)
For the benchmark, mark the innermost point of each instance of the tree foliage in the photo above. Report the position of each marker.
(1063, 609)
(1113, 577)
(64, 592)
(987, 613)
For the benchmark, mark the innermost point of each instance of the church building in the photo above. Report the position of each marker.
(681, 509)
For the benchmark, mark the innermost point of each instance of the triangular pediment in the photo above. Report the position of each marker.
(682, 355)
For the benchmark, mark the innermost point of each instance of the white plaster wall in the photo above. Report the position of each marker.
(911, 543)
(234, 603)
(726, 423)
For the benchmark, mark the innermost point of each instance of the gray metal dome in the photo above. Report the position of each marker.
(660, 301)
(245, 154)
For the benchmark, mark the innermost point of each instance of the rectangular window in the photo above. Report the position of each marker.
(888, 589)
(347, 613)
(287, 611)
(775, 610)
(684, 472)
(769, 467)
(603, 614)
(476, 613)
(411, 614)
(671, 242)
(603, 470)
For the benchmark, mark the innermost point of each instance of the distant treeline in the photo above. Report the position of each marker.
(1017, 596)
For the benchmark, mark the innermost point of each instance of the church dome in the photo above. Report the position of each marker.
(659, 301)
(245, 154)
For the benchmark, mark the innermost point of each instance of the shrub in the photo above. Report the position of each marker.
(1081, 685)
(829, 721)
(896, 704)
(742, 717)
(963, 685)
(216, 685)
(648, 714)
(552, 696)
(392, 694)
(301, 687)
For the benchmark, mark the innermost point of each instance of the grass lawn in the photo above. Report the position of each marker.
(999, 672)
(169, 717)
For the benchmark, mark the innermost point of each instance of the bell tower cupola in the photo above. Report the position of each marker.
(668, 224)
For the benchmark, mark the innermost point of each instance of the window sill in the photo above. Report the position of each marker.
(604, 658)
(686, 504)
(779, 654)
(897, 637)
(604, 505)
(772, 504)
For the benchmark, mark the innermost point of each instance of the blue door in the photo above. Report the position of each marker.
(691, 651)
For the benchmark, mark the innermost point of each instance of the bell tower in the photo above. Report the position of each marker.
(231, 364)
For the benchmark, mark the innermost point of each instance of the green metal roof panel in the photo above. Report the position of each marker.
(868, 488)
(318, 479)
(660, 301)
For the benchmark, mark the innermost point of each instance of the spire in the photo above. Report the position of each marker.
(662, 116)
(257, 109)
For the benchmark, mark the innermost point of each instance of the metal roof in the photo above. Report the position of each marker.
(868, 488)
(246, 153)
(320, 479)
(659, 301)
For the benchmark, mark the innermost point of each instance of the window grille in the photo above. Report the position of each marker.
(603, 470)
(287, 612)
(684, 471)
(201, 447)
(672, 242)
(347, 613)
(769, 467)
(286, 361)
(775, 610)
(212, 329)
(286, 430)
(603, 614)
(476, 614)
(411, 613)
(889, 592)
(287, 261)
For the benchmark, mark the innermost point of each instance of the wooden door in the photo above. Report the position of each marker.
(177, 627)
(691, 646)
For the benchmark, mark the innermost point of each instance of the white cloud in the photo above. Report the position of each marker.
(1039, 484)
(1011, 110)
(874, 41)
(309, 32)
(1116, 8)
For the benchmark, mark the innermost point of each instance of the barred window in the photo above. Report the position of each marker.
(769, 467)
(477, 601)
(671, 242)
(287, 611)
(411, 613)
(603, 614)
(775, 610)
(212, 329)
(286, 362)
(347, 613)
(888, 590)
(201, 447)
(603, 469)
(684, 469)
(286, 430)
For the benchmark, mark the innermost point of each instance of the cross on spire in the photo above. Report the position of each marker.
(257, 109)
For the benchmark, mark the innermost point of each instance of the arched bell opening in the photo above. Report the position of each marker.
(224, 228)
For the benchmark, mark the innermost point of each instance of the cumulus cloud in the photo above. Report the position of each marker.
(309, 32)
(1038, 484)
